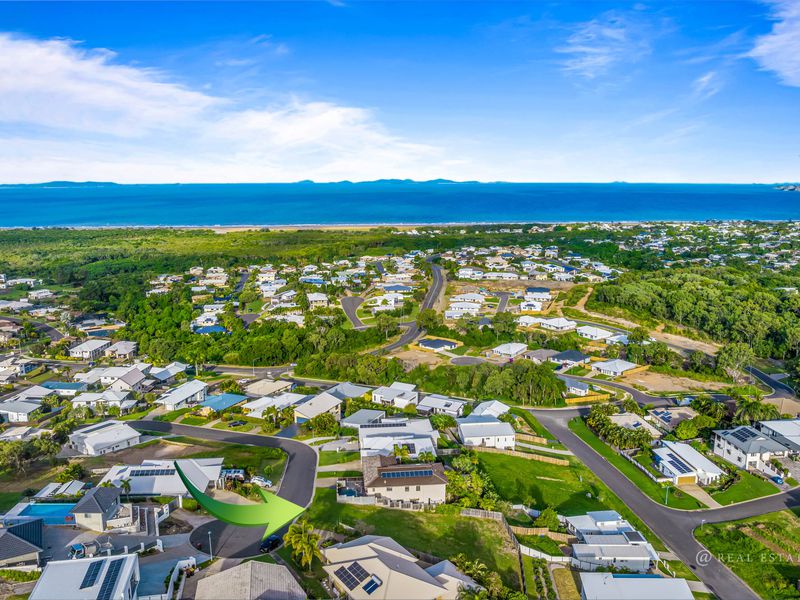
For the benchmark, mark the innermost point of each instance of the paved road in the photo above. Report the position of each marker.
(781, 389)
(297, 484)
(349, 305)
(412, 330)
(503, 304)
(50, 331)
(673, 527)
(242, 280)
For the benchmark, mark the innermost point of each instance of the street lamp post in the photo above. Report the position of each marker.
(210, 550)
(702, 523)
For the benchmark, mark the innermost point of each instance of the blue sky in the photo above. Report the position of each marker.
(515, 91)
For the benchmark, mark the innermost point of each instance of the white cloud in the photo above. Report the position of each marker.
(132, 124)
(706, 86)
(779, 50)
(613, 38)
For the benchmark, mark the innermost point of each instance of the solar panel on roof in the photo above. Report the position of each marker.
(346, 578)
(678, 464)
(373, 584)
(90, 577)
(403, 474)
(110, 580)
(357, 571)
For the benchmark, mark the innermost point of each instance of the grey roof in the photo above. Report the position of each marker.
(19, 540)
(576, 383)
(252, 580)
(363, 416)
(348, 390)
(570, 355)
(97, 500)
(750, 440)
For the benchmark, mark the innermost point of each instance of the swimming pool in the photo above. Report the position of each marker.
(52, 513)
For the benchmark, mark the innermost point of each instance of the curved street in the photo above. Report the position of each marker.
(297, 485)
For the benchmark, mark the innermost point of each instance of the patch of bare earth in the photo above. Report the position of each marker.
(414, 358)
(658, 382)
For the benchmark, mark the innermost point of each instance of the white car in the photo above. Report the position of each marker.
(261, 482)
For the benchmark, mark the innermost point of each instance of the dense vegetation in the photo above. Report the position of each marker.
(729, 305)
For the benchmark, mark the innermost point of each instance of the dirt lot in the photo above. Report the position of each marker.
(413, 358)
(657, 382)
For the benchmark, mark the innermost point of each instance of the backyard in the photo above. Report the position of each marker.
(443, 535)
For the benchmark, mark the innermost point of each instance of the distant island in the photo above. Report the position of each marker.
(789, 187)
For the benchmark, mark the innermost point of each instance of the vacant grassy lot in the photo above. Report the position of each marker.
(269, 462)
(337, 458)
(761, 550)
(571, 490)
(567, 583)
(438, 534)
(677, 499)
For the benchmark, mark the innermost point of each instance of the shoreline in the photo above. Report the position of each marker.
(368, 226)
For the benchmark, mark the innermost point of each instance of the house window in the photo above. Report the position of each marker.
(388, 489)
(408, 488)
(419, 488)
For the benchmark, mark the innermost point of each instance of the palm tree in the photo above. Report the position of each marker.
(427, 456)
(125, 484)
(752, 408)
(303, 542)
(401, 452)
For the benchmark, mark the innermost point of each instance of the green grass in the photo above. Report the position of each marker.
(173, 415)
(578, 371)
(655, 491)
(259, 461)
(541, 543)
(9, 499)
(324, 474)
(40, 377)
(748, 487)
(539, 484)
(533, 423)
(193, 420)
(765, 564)
(443, 535)
(337, 458)
(247, 427)
(135, 416)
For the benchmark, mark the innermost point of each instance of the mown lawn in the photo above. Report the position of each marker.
(443, 535)
(748, 487)
(9, 499)
(259, 461)
(761, 550)
(337, 458)
(324, 474)
(572, 490)
(677, 499)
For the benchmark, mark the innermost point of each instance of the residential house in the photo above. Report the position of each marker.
(627, 550)
(107, 399)
(785, 431)
(613, 368)
(437, 345)
(435, 404)
(99, 578)
(683, 464)
(122, 349)
(747, 448)
(398, 394)
(160, 478)
(669, 418)
(89, 350)
(317, 300)
(20, 411)
(104, 437)
(486, 431)
(98, 506)
(539, 355)
(267, 387)
(251, 580)
(423, 483)
(569, 358)
(381, 437)
(318, 405)
(575, 387)
(611, 586)
(593, 333)
(378, 567)
(509, 350)
(363, 416)
(21, 544)
(219, 402)
(22, 433)
(557, 324)
(490, 408)
(66, 389)
(259, 408)
(538, 294)
(167, 374)
(186, 394)
(598, 522)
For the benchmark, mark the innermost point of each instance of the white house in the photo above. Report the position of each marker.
(103, 437)
(317, 300)
(107, 398)
(122, 349)
(486, 431)
(683, 464)
(167, 374)
(160, 478)
(380, 438)
(418, 483)
(318, 405)
(557, 324)
(538, 294)
(609, 586)
(89, 350)
(593, 333)
(398, 394)
(510, 349)
(434, 404)
(258, 407)
(469, 273)
(490, 408)
(627, 550)
(785, 431)
(748, 448)
(191, 392)
(98, 578)
(613, 368)
(597, 522)
(19, 411)
(456, 310)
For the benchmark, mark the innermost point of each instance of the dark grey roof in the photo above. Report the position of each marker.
(97, 500)
(21, 539)
(569, 355)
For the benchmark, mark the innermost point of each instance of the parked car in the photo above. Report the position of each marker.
(777, 479)
(270, 544)
(261, 482)
(236, 423)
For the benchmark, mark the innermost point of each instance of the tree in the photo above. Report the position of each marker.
(401, 452)
(324, 424)
(429, 320)
(547, 518)
(427, 456)
(71, 472)
(125, 484)
(752, 408)
(733, 358)
(303, 542)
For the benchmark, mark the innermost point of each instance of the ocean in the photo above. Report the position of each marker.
(383, 202)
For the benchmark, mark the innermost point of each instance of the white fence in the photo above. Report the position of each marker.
(179, 571)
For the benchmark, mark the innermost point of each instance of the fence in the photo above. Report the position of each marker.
(644, 469)
(543, 531)
(500, 518)
(178, 571)
(534, 439)
(588, 398)
(526, 455)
